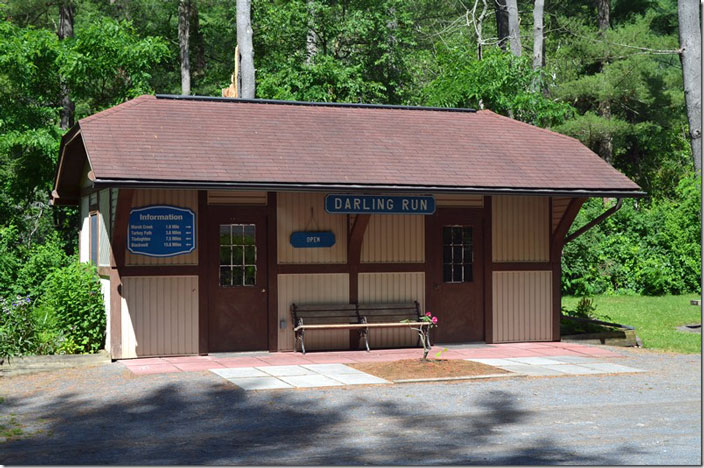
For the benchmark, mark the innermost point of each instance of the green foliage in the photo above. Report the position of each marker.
(73, 294)
(651, 248)
(499, 82)
(16, 328)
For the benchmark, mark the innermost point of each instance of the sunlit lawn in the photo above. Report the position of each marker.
(654, 318)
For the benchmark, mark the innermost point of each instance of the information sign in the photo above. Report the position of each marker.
(161, 231)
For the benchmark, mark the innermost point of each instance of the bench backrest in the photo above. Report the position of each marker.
(387, 313)
(324, 314)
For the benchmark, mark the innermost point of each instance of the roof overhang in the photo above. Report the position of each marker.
(376, 188)
(69, 170)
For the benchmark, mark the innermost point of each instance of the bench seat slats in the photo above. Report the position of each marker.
(354, 316)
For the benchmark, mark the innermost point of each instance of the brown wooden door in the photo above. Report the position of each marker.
(237, 318)
(454, 251)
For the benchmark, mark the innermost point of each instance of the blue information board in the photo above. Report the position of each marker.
(307, 239)
(161, 231)
(379, 204)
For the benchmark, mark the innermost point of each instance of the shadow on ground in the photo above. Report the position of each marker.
(204, 422)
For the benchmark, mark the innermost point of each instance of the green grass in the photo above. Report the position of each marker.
(654, 319)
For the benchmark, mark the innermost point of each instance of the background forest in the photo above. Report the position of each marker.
(609, 73)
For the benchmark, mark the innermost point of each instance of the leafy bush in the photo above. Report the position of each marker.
(16, 328)
(41, 261)
(73, 294)
(645, 248)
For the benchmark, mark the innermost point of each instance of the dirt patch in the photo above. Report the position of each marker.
(432, 368)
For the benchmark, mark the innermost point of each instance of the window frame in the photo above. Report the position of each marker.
(462, 246)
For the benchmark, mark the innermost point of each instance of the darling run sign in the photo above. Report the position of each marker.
(379, 204)
(161, 231)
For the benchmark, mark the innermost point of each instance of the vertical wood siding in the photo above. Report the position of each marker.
(520, 230)
(312, 289)
(84, 236)
(180, 198)
(159, 316)
(105, 289)
(103, 228)
(559, 206)
(522, 306)
(306, 212)
(394, 238)
(232, 197)
(392, 287)
(459, 200)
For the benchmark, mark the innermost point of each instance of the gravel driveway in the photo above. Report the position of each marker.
(106, 415)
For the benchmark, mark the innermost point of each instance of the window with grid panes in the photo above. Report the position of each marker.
(238, 255)
(457, 254)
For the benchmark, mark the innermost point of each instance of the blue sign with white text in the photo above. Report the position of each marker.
(161, 231)
(379, 204)
(307, 239)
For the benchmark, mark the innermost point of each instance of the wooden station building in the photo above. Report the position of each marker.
(209, 217)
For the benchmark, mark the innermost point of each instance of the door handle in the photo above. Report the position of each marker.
(263, 290)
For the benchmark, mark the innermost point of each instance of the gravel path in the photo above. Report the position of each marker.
(106, 415)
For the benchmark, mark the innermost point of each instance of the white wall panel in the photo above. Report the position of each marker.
(393, 239)
(159, 315)
(312, 289)
(522, 306)
(377, 288)
(520, 229)
(306, 212)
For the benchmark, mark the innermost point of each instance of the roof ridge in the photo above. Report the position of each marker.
(122, 106)
(354, 105)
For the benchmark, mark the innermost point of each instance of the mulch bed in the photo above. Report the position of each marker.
(432, 368)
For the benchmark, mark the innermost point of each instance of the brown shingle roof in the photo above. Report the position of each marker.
(229, 141)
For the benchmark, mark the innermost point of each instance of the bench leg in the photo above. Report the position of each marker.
(303, 341)
(365, 332)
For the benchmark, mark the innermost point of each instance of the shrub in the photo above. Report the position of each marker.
(16, 328)
(651, 248)
(73, 294)
(42, 260)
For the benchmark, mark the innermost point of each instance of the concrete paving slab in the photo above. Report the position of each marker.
(259, 383)
(332, 369)
(572, 359)
(357, 379)
(239, 372)
(306, 381)
(536, 361)
(492, 361)
(531, 370)
(282, 371)
(610, 368)
(572, 369)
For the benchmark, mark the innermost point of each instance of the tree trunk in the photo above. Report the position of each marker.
(514, 33)
(311, 37)
(501, 23)
(691, 57)
(538, 35)
(603, 9)
(244, 41)
(197, 42)
(606, 144)
(66, 12)
(184, 14)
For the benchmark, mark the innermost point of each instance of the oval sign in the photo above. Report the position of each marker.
(309, 239)
(161, 231)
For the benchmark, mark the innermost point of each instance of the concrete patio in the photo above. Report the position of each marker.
(479, 351)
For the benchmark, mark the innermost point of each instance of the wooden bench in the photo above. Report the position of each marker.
(361, 317)
(392, 315)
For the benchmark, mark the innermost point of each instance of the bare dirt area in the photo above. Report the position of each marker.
(428, 369)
